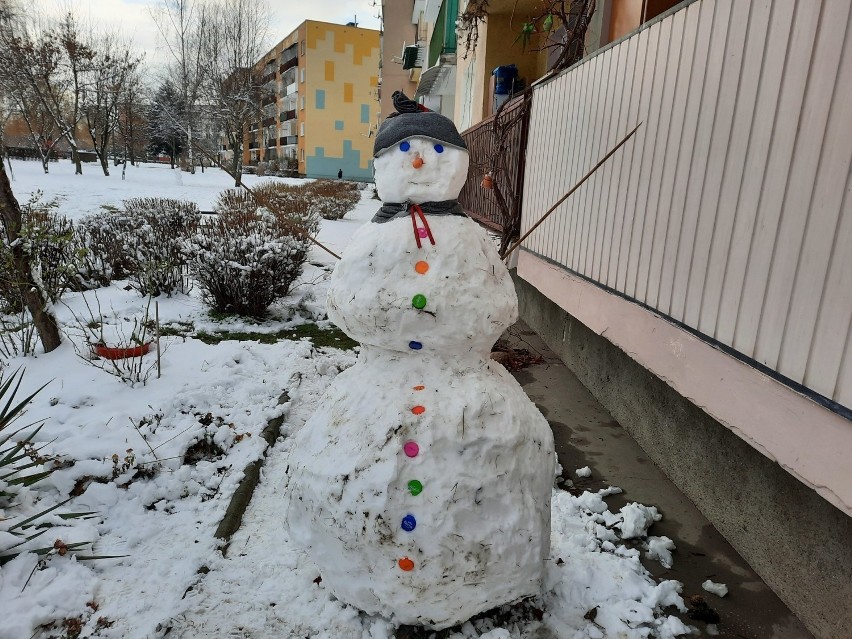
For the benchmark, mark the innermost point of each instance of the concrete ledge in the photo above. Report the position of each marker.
(798, 542)
(806, 439)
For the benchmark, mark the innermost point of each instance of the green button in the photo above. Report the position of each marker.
(418, 301)
(415, 487)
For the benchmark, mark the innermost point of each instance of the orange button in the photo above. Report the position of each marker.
(421, 267)
(419, 387)
(406, 564)
(418, 410)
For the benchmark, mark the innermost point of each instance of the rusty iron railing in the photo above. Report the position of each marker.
(497, 145)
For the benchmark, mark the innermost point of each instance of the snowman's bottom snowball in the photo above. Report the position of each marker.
(484, 459)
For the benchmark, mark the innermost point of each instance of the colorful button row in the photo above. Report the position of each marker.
(415, 487)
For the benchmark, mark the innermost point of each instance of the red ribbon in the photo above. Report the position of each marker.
(415, 208)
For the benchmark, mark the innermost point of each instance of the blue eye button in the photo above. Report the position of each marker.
(404, 146)
(439, 148)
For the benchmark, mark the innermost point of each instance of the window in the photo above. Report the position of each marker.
(302, 47)
(302, 129)
(302, 103)
(302, 153)
(302, 74)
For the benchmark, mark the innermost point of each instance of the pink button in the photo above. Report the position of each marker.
(422, 233)
(411, 449)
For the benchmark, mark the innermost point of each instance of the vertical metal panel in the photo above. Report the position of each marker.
(730, 208)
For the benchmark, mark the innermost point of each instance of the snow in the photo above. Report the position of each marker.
(636, 519)
(660, 548)
(583, 472)
(171, 575)
(720, 590)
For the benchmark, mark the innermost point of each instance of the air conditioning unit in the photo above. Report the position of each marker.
(413, 56)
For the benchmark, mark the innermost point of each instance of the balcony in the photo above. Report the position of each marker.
(292, 89)
(288, 139)
(289, 64)
(287, 115)
(443, 40)
(268, 100)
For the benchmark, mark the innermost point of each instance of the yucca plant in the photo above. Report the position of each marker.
(21, 467)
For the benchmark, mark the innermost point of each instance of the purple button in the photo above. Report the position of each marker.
(411, 449)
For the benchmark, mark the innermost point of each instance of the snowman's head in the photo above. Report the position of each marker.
(420, 169)
(419, 155)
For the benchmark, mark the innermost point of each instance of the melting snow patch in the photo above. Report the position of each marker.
(719, 590)
(660, 548)
(637, 520)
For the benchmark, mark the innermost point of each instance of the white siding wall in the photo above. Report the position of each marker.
(730, 209)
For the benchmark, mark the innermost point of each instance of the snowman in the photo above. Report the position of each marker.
(421, 486)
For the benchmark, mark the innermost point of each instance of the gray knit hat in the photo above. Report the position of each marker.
(411, 121)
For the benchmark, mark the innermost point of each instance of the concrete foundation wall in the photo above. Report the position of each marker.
(800, 544)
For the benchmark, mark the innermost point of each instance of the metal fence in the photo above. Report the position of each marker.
(497, 145)
(730, 210)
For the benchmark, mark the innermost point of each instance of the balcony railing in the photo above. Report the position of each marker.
(289, 64)
(268, 121)
(287, 115)
(288, 139)
(500, 150)
(269, 100)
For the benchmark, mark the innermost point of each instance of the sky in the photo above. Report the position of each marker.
(133, 17)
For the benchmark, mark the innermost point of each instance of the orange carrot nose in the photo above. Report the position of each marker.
(417, 162)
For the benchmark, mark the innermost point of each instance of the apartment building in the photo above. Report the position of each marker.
(322, 107)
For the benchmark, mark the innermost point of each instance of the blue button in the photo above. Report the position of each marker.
(404, 146)
(416, 346)
(409, 523)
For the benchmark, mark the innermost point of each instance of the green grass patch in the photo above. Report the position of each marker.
(320, 337)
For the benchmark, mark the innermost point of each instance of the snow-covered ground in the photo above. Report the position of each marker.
(193, 430)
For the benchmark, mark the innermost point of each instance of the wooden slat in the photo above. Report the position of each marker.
(644, 156)
(793, 81)
(720, 144)
(661, 115)
(793, 211)
(686, 156)
(755, 167)
(709, 99)
(665, 233)
(824, 204)
(613, 169)
(604, 174)
(743, 129)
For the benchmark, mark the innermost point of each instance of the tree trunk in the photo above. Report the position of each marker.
(238, 172)
(104, 163)
(32, 294)
(75, 157)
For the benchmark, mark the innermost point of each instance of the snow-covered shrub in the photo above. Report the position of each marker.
(48, 239)
(332, 199)
(154, 243)
(234, 200)
(245, 260)
(101, 240)
(142, 242)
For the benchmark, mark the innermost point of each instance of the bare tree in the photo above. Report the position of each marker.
(50, 64)
(183, 24)
(131, 118)
(112, 67)
(236, 40)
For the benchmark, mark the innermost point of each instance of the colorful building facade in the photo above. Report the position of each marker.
(323, 106)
